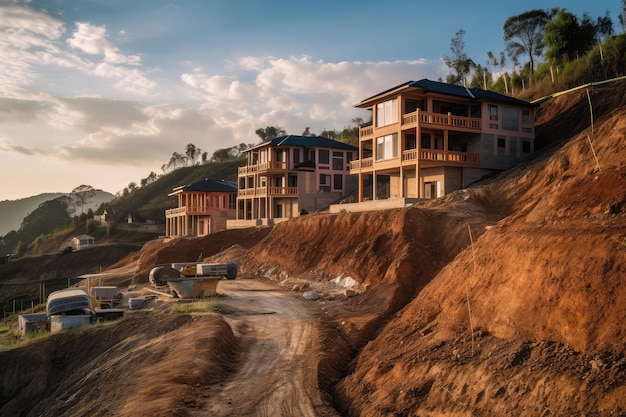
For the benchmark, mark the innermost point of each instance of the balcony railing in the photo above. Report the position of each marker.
(427, 155)
(366, 131)
(439, 119)
(188, 210)
(268, 191)
(262, 167)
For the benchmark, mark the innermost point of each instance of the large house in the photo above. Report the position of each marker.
(429, 138)
(203, 208)
(292, 175)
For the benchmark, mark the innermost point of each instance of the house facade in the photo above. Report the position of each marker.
(203, 208)
(429, 138)
(292, 175)
(82, 242)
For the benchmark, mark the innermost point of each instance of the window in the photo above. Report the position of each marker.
(324, 158)
(510, 119)
(526, 117)
(493, 112)
(525, 146)
(411, 106)
(232, 201)
(338, 161)
(324, 182)
(338, 181)
(501, 143)
(296, 156)
(425, 142)
(387, 147)
(410, 141)
(387, 113)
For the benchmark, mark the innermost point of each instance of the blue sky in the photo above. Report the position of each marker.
(102, 92)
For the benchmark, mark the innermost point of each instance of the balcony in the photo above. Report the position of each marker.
(426, 157)
(263, 168)
(440, 120)
(268, 191)
(191, 210)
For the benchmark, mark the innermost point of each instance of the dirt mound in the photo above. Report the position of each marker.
(166, 251)
(135, 368)
(529, 320)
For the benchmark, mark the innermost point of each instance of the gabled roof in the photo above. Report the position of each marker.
(429, 86)
(306, 142)
(207, 185)
(84, 237)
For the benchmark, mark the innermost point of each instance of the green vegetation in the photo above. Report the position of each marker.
(204, 307)
(550, 50)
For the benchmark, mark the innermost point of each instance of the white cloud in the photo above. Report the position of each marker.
(93, 40)
(296, 92)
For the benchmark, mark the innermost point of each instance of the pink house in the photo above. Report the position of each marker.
(203, 208)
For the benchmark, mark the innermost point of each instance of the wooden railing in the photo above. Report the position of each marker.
(264, 166)
(450, 156)
(366, 131)
(441, 120)
(265, 191)
(185, 210)
(456, 158)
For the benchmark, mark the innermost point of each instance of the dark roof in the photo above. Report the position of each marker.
(208, 185)
(308, 142)
(474, 93)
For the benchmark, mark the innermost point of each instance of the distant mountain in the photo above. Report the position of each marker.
(12, 212)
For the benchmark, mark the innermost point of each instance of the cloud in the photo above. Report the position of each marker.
(93, 40)
(296, 92)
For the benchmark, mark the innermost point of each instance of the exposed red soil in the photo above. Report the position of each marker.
(502, 299)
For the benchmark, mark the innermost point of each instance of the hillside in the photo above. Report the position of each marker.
(501, 299)
(12, 212)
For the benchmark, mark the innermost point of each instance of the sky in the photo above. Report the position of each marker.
(102, 92)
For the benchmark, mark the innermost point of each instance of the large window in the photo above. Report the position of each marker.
(338, 181)
(387, 113)
(493, 112)
(510, 119)
(387, 147)
(324, 157)
(232, 201)
(338, 161)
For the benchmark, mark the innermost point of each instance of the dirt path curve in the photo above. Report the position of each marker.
(277, 375)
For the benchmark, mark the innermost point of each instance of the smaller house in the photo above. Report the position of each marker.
(203, 208)
(101, 218)
(82, 242)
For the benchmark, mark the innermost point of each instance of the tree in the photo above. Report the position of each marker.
(459, 63)
(523, 34)
(81, 196)
(192, 153)
(222, 155)
(566, 38)
(604, 26)
(307, 132)
(152, 177)
(622, 17)
(270, 132)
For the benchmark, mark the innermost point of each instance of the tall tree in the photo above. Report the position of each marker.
(192, 153)
(81, 196)
(270, 132)
(604, 26)
(567, 38)
(459, 63)
(523, 34)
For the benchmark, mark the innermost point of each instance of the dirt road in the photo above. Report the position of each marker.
(279, 339)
